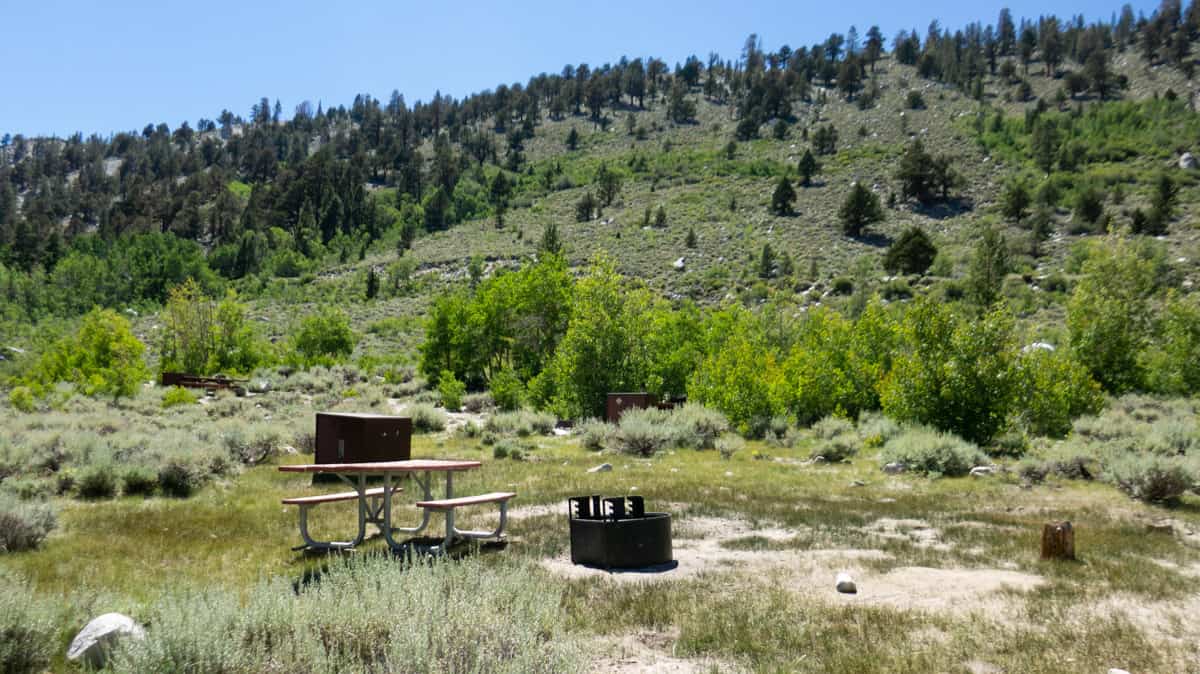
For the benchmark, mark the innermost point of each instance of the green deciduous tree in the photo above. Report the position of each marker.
(1108, 315)
(954, 372)
(102, 358)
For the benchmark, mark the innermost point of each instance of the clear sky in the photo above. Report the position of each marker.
(112, 65)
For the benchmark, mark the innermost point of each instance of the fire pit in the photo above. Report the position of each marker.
(606, 534)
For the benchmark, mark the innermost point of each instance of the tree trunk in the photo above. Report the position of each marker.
(1058, 541)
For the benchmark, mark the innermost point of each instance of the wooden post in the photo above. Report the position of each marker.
(1058, 541)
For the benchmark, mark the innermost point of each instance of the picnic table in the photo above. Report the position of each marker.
(375, 505)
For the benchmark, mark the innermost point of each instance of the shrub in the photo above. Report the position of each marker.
(508, 448)
(927, 450)
(914, 101)
(478, 402)
(593, 434)
(433, 617)
(23, 525)
(842, 285)
(21, 398)
(451, 390)
(728, 445)
(876, 429)
(28, 626)
(138, 480)
(641, 432)
(97, 481)
(507, 390)
(177, 395)
(522, 423)
(911, 253)
(836, 439)
(178, 477)
(426, 418)
(1151, 478)
(323, 338)
(697, 426)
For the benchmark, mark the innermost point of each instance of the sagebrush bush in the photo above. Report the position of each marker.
(179, 477)
(927, 450)
(698, 426)
(28, 625)
(836, 439)
(478, 402)
(521, 423)
(426, 418)
(642, 432)
(729, 444)
(138, 481)
(593, 434)
(1150, 477)
(365, 615)
(97, 481)
(876, 429)
(24, 524)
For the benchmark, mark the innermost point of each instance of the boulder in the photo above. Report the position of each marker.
(93, 643)
(602, 468)
(1187, 162)
(894, 468)
(982, 471)
(845, 584)
(260, 386)
(680, 264)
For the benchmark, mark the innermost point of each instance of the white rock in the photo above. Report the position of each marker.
(1037, 346)
(1114, 670)
(1187, 161)
(894, 468)
(97, 638)
(680, 264)
(982, 471)
(602, 468)
(845, 584)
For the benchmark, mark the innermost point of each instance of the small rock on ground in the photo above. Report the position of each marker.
(845, 584)
(602, 468)
(894, 468)
(97, 638)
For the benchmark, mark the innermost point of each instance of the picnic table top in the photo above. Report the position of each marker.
(408, 466)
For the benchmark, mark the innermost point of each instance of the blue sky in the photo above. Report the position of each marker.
(99, 67)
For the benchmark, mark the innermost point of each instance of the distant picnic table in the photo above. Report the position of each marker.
(375, 505)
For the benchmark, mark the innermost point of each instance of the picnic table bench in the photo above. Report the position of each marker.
(380, 513)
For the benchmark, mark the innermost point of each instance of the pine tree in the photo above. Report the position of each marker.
(782, 198)
(1016, 201)
(572, 139)
(691, 238)
(550, 243)
(911, 253)
(372, 283)
(860, 209)
(808, 168)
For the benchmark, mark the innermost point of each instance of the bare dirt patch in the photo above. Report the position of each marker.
(941, 590)
(650, 652)
(917, 532)
(709, 544)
